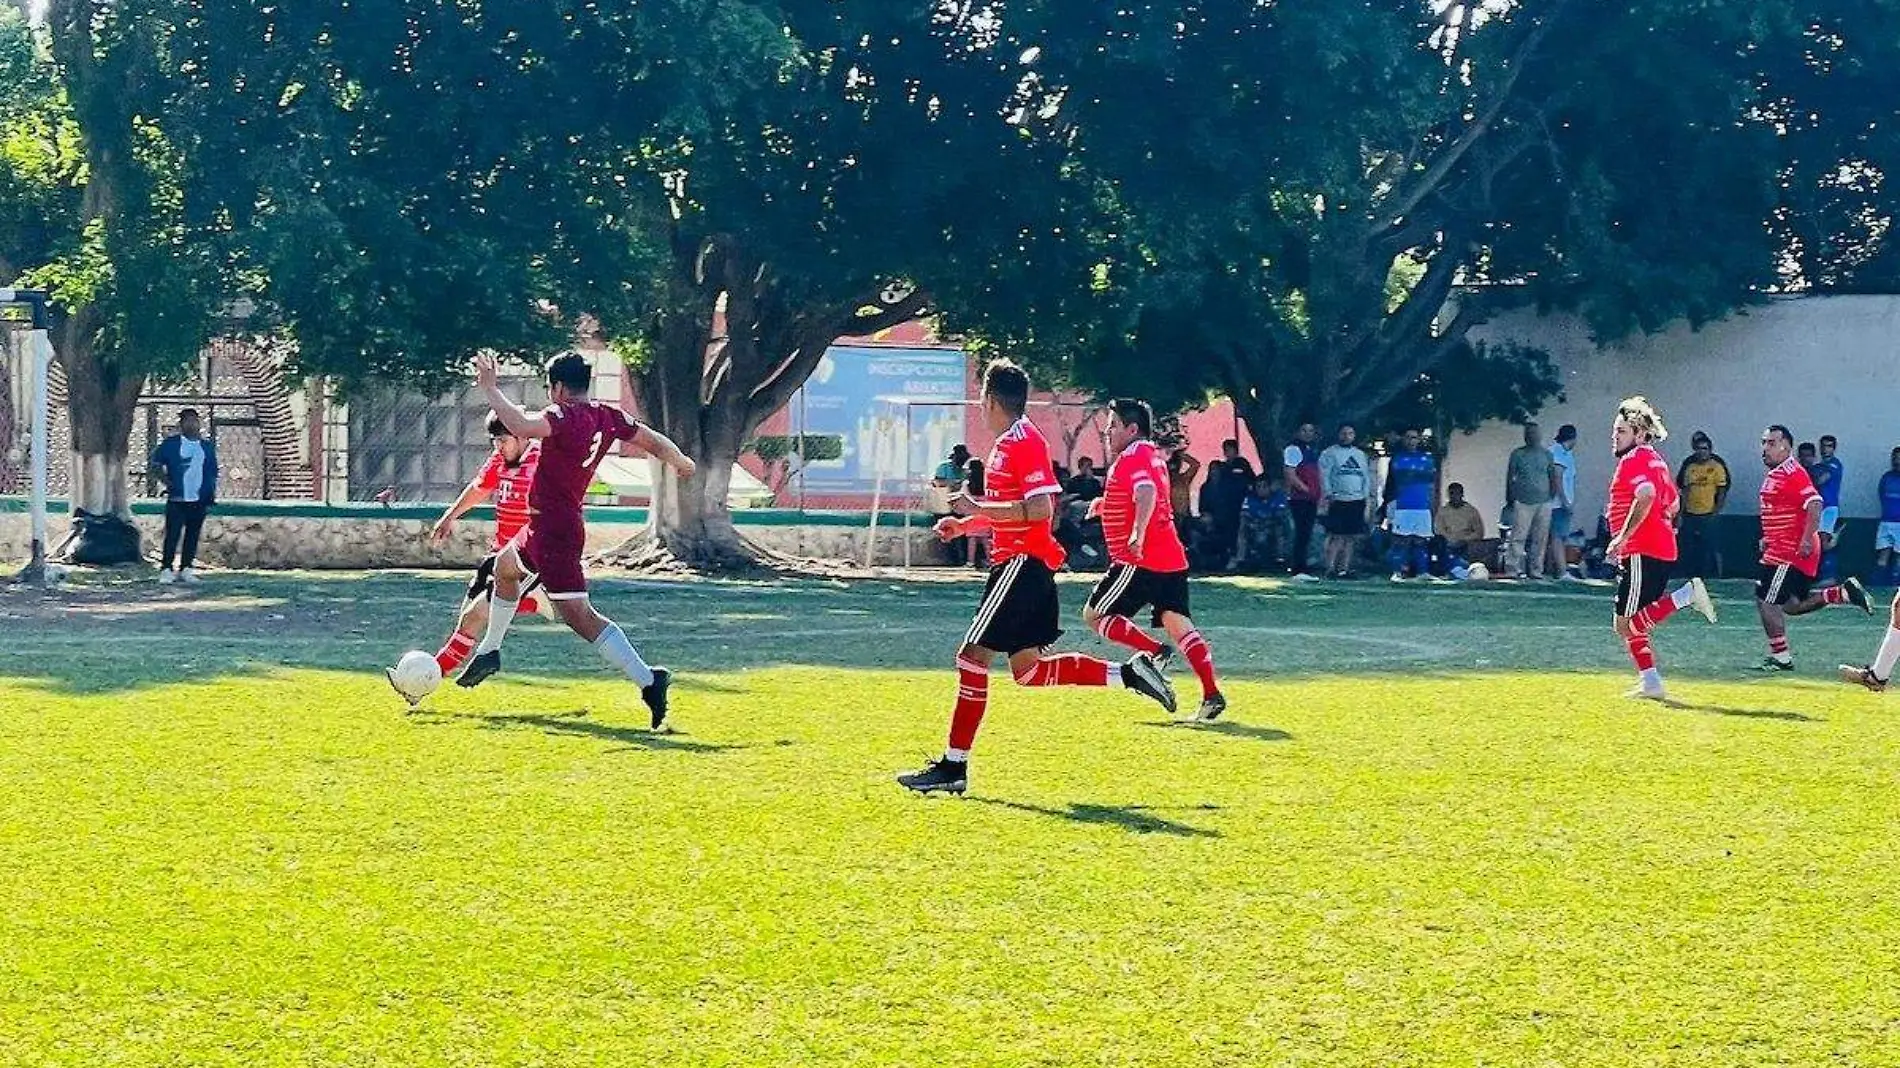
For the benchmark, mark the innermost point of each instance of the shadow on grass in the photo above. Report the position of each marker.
(1135, 819)
(1745, 713)
(1225, 727)
(576, 725)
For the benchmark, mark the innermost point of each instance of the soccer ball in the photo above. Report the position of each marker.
(1478, 573)
(416, 675)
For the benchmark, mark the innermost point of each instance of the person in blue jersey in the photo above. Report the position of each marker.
(1411, 492)
(1829, 477)
(1887, 538)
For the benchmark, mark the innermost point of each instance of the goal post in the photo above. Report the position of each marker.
(37, 348)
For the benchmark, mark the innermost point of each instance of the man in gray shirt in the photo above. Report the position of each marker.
(1345, 480)
(1532, 485)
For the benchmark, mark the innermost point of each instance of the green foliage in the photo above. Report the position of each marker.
(773, 448)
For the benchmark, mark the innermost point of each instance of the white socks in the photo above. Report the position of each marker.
(1652, 680)
(1889, 654)
(614, 648)
(957, 756)
(500, 614)
(1683, 595)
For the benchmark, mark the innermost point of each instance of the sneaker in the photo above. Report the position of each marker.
(167, 577)
(1857, 595)
(1639, 692)
(190, 577)
(944, 776)
(1863, 676)
(1141, 674)
(390, 674)
(479, 669)
(654, 694)
(1211, 708)
(1770, 665)
(1700, 600)
(1301, 576)
(1398, 576)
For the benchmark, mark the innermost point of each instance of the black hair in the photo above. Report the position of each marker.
(1008, 384)
(497, 428)
(1131, 412)
(187, 413)
(573, 371)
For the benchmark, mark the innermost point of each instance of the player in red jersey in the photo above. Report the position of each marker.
(1147, 564)
(1791, 550)
(576, 434)
(506, 479)
(1019, 615)
(1643, 505)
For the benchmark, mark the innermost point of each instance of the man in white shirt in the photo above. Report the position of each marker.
(1345, 479)
(189, 464)
(1563, 516)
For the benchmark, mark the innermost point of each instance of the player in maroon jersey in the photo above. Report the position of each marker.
(1148, 565)
(506, 479)
(576, 434)
(1019, 615)
(1791, 550)
(1643, 505)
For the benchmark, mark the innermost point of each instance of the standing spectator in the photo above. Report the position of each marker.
(1460, 526)
(973, 487)
(1345, 479)
(1830, 477)
(946, 483)
(1887, 539)
(1563, 514)
(1411, 493)
(1302, 496)
(1704, 481)
(1182, 467)
(1237, 477)
(189, 463)
(1531, 485)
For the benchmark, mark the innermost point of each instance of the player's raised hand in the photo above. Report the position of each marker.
(487, 370)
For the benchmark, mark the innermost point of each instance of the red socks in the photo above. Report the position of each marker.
(452, 654)
(1642, 652)
(973, 699)
(1778, 646)
(1834, 595)
(1653, 614)
(1065, 669)
(1201, 658)
(1122, 631)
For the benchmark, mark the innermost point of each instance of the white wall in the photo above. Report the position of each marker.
(1820, 365)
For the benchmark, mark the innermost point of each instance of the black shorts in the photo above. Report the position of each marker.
(1346, 519)
(1782, 584)
(482, 583)
(1640, 582)
(1127, 589)
(1019, 608)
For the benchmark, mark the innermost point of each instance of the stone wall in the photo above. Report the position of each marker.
(242, 539)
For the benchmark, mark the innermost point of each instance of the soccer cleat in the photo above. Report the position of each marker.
(1398, 576)
(1857, 595)
(943, 776)
(188, 576)
(1211, 708)
(1770, 665)
(1863, 676)
(655, 696)
(1639, 692)
(479, 668)
(390, 674)
(1165, 658)
(1142, 675)
(1700, 600)
(167, 577)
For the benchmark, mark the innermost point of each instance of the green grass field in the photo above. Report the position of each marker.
(1433, 834)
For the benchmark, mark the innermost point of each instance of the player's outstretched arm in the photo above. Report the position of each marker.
(521, 424)
(662, 448)
(472, 494)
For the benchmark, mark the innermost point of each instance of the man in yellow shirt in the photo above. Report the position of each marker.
(1704, 481)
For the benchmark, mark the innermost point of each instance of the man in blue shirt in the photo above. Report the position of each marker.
(1411, 492)
(1887, 538)
(1828, 477)
(189, 464)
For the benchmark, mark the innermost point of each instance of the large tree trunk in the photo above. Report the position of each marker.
(100, 401)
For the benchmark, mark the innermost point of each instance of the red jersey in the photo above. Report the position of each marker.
(1141, 464)
(582, 435)
(1019, 468)
(1639, 467)
(509, 484)
(1785, 494)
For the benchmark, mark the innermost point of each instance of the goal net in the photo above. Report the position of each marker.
(24, 412)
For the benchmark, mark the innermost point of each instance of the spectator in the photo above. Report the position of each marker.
(1073, 525)
(1303, 496)
(1460, 528)
(1086, 485)
(1887, 539)
(1182, 467)
(1563, 513)
(1237, 478)
(1345, 478)
(973, 486)
(190, 466)
(1704, 480)
(944, 484)
(1830, 478)
(1411, 493)
(1531, 485)
(1266, 526)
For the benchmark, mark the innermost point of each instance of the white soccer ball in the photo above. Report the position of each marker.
(416, 675)
(1478, 573)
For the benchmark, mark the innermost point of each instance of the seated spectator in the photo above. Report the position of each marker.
(1459, 527)
(1266, 528)
(1085, 485)
(944, 484)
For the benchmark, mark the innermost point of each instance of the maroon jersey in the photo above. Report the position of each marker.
(583, 434)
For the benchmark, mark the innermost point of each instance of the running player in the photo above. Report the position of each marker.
(1791, 550)
(1019, 615)
(1643, 502)
(1148, 566)
(1876, 675)
(576, 434)
(506, 479)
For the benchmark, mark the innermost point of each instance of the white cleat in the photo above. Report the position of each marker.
(1640, 692)
(1700, 600)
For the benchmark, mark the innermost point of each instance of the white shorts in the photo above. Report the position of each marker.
(1412, 523)
(1830, 521)
(1887, 537)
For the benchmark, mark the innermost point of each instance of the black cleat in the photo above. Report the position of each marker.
(1142, 675)
(654, 695)
(1857, 595)
(1211, 708)
(479, 669)
(1861, 675)
(939, 776)
(1165, 658)
(1769, 665)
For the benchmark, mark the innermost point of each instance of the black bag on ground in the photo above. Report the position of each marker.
(103, 539)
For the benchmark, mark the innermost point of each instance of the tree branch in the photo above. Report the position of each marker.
(1396, 378)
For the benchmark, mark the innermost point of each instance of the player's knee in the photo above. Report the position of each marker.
(1092, 618)
(1623, 627)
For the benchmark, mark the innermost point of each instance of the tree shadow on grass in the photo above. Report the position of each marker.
(1228, 728)
(1745, 713)
(1135, 819)
(576, 725)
